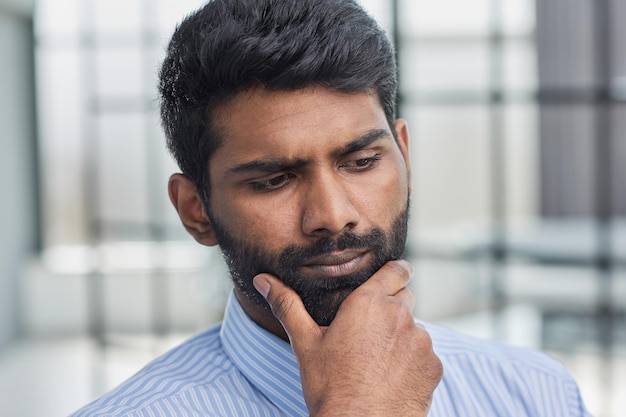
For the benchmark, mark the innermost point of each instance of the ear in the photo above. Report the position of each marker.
(402, 133)
(188, 204)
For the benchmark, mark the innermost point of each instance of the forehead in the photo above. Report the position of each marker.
(293, 124)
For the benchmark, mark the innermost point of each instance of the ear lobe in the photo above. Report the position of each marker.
(188, 204)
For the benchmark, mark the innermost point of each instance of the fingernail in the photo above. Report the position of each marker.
(262, 285)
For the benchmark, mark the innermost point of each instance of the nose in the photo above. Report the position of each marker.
(328, 207)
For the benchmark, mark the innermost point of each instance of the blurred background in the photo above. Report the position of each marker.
(517, 119)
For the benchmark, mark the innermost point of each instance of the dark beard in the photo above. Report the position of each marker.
(321, 296)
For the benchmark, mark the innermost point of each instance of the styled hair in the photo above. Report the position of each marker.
(229, 46)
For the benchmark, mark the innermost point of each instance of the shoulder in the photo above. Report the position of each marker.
(457, 347)
(498, 379)
(199, 361)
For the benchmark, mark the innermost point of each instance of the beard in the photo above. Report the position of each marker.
(321, 296)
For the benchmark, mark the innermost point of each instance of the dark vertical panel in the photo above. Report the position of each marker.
(91, 195)
(606, 314)
(497, 150)
(577, 51)
(19, 231)
(37, 191)
(565, 67)
(90, 169)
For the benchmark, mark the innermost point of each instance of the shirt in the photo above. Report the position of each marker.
(239, 369)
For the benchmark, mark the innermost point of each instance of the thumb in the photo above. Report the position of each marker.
(288, 308)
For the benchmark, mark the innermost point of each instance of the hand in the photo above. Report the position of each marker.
(372, 360)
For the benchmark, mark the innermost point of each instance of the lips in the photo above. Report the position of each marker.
(337, 264)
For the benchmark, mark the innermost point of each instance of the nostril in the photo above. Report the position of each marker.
(331, 219)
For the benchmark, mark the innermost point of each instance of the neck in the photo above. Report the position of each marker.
(261, 316)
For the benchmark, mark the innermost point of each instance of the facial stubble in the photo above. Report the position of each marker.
(321, 296)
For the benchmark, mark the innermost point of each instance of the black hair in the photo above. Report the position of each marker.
(230, 46)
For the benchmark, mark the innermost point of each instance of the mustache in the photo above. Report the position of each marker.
(293, 256)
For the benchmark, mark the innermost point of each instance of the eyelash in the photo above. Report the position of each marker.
(269, 185)
(278, 181)
(368, 163)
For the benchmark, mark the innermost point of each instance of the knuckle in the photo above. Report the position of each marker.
(425, 341)
(402, 315)
(401, 267)
(434, 369)
(407, 297)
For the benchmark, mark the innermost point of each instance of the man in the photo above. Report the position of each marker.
(281, 116)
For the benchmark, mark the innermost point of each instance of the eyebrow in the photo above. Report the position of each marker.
(268, 165)
(363, 141)
(282, 164)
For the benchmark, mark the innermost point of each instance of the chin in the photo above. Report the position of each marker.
(324, 305)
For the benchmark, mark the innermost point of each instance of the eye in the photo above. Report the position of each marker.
(362, 164)
(272, 183)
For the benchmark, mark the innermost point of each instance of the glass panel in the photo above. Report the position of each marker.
(618, 55)
(619, 286)
(567, 160)
(119, 72)
(519, 66)
(122, 169)
(618, 152)
(521, 162)
(457, 68)
(565, 44)
(552, 287)
(382, 12)
(518, 17)
(445, 67)
(170, 13)
(153, 57)
(119, 292)
(57, 17)
(61, 122)
(566, 195)
(117, 15)
(448, 288)
(161, 165)
(444, 18)
(450, 167)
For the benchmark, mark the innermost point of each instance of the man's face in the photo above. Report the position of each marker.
(312, 187)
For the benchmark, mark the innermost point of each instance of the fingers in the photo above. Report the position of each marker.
(407, 296)
(391, 278)
(288, 308)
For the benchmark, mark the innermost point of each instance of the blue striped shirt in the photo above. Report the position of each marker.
(239, 369)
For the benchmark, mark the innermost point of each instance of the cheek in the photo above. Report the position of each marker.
(385, 196)
(270, 225)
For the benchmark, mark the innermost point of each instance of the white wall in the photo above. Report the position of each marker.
(17, 167)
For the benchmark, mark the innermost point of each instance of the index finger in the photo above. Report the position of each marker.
(391, 278)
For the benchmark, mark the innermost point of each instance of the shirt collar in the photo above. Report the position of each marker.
(265, 360)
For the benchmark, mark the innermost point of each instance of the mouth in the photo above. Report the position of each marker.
(337, 264)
